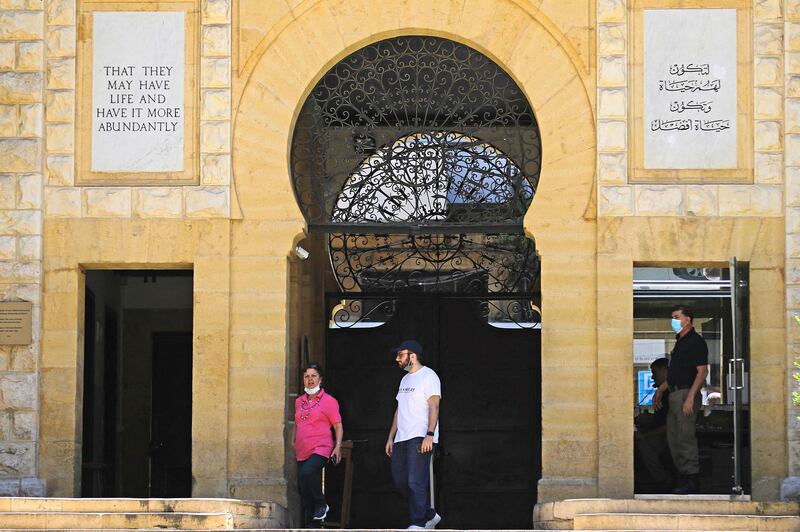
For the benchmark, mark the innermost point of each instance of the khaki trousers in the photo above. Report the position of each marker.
(681, 433)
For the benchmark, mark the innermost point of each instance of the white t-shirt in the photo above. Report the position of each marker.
(412, 404)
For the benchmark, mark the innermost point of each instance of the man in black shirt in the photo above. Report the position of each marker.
(688, 369)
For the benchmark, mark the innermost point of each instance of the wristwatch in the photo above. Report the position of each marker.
(430, 433)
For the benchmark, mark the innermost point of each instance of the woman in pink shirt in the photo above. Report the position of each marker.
(315, 413)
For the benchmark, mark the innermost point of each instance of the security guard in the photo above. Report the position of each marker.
(688, 369)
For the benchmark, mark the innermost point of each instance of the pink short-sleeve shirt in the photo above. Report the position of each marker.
(313, 421)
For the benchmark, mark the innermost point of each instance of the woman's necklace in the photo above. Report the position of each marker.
(307, 405)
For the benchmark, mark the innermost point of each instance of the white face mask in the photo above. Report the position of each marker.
(312, 391)
(408, 366)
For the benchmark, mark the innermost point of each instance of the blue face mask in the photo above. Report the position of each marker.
(676, 325)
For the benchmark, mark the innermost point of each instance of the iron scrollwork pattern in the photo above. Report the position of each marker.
(357, 313)
(484, 264)
(434, 177)
(510, 313)
(416, 109)
(374, 312)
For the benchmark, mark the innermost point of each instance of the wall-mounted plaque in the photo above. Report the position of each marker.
(691, 92)
(690, 88)
(137, 94)
(15, 323)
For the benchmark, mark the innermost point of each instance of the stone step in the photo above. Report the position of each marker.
(245, 514)
(354, 530)
(115, 520)
(168, 529)
(560, 514)
(650, 521)
(673, 504)
(133, 505)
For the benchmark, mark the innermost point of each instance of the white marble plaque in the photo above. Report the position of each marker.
(690, 89)
(138, 92)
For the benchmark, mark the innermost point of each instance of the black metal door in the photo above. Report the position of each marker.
(362, 375)
(490, 421)
(489, 455)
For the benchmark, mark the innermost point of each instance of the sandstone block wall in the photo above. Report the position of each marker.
(684, 213)
(22, 42)
(791, 91)
(238, 223)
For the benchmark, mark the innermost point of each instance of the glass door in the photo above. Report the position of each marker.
(722, 426)
(737, 365)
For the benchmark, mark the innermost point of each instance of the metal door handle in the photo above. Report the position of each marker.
(730, 374)
(741, 373)
(738, 384)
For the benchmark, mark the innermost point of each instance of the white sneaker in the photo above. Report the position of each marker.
(415, 527)
(321, 513)
(434, 521)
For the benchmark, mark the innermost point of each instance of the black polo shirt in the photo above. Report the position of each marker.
(690, 351)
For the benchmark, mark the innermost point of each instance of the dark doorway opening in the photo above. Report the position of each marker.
(137, 396)
(489, 455)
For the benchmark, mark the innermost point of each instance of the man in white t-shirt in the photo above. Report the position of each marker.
(415, 430)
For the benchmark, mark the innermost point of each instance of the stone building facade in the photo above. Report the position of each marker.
(237, 223)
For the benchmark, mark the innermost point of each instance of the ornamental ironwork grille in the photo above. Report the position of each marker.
(477, 264)
(412, 110)
(419, 157)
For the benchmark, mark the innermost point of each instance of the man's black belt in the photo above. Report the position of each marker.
(679, 387)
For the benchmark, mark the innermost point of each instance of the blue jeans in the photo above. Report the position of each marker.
(309, 480)
(411, 474)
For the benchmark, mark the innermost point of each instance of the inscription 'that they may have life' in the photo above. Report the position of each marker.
(138, 92)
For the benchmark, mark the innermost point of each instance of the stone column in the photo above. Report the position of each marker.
(21, 93)
(790, 488)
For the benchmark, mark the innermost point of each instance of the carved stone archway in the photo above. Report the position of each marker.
(546, 68)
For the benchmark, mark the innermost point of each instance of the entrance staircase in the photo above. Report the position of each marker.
(673, 513)
(34, 513)
(663, 513)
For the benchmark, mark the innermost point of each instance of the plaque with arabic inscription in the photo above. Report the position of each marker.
(690, 89)
(16, 323)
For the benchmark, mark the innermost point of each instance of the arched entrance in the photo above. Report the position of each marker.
(414, 161)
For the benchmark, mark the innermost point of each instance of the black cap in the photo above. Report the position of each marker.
(411, 345)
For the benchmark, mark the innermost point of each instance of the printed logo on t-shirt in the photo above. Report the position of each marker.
(407, 389)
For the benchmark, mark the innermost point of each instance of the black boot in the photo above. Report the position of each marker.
(689, 486)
